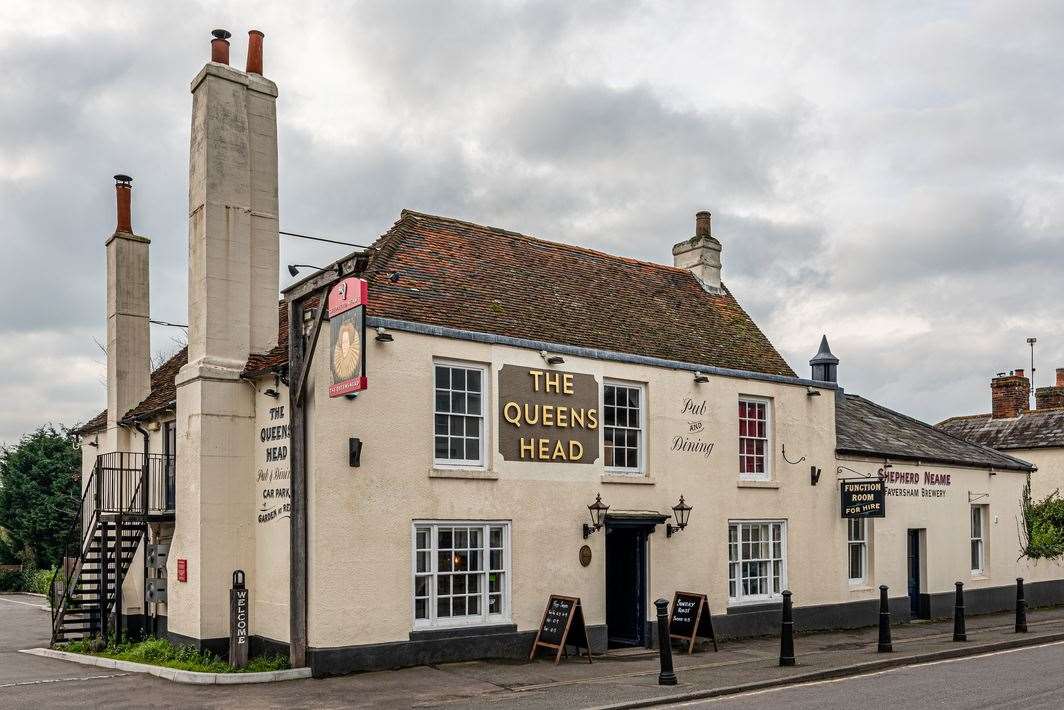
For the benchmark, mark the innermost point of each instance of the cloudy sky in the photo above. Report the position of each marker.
(890, 174)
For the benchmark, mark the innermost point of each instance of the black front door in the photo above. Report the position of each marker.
(914, 573)
(626, 602)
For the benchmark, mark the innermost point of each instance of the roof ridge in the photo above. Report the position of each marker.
(565, 245)
(935, 429)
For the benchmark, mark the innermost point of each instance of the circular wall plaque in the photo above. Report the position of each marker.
(585, 555)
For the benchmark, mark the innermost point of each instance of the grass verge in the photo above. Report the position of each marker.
(160, 652)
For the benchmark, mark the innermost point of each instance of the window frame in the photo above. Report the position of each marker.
(484, 618)
(981, 511)
(771, 597)
(485, 419)
(862, 541)
(769, 455)
(641, 441)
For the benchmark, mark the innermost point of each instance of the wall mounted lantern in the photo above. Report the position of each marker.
(682, 512)
(598, 515)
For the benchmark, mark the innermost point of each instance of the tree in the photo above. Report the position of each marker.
(1041, 525)
(40, 489)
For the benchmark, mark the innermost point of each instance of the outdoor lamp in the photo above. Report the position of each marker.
(682, 512)
(598, 514)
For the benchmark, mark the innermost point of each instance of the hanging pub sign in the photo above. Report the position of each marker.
(562, 625)
(691, 619)
(864, 499)
(548, 415)
(347, 343)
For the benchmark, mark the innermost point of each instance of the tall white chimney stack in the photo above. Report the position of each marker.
(232, 313)
(128, 336)
(700, 254)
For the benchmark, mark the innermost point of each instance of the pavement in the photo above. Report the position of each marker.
(616, 680)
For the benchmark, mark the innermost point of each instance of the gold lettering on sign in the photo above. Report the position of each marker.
(550, 416)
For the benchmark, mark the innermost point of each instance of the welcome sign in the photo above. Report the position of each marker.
(548, 415)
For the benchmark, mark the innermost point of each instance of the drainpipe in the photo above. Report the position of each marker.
(144, 483)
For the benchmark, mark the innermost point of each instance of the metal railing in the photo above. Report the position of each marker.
(120, 473)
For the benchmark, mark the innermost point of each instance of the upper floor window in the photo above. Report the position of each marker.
(978, 546)
(754, 432)
(622, 426)
(459, 415)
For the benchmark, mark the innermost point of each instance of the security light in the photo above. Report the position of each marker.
(701, 377)
(294, 268)
(551, 359)
(272, 393)
(811, 391)
(383, 336)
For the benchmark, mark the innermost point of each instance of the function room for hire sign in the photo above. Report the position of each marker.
(347, 328)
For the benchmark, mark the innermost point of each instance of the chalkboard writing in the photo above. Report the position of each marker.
(562, 625)
(691, 619)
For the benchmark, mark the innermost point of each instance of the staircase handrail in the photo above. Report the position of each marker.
(87, 532)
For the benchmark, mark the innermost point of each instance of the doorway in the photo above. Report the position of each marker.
(626, 585)
(917, 608)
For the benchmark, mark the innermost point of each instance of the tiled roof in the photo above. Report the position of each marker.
(470, 277)
(864, 428)
(1035, 429)
(163, 392)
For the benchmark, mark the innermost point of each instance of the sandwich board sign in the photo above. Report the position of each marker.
(691, 619)
(562, 625)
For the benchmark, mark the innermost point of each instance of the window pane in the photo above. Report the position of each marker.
(473, 606)
(459, 606)
(458, 402)
(443, 607)
(443, 402)
(421, 586)
(472, 450)
(496, 537)
(421, 609)
(458, 378)
(495, 604)
(473, 402)
(443, 378)
(473, 380)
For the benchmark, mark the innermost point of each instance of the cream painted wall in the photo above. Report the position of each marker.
(360, 518)
(1050, 474)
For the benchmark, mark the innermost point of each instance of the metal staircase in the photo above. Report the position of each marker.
(116, 507)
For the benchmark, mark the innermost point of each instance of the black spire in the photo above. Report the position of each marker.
(825, 365)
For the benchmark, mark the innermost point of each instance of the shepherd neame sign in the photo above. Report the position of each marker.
(547, 415)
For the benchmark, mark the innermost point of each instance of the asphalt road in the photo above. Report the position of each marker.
(1028, 678)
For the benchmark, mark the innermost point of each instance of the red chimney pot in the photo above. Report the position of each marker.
(255, 52)
(220, 46)
(123, 192)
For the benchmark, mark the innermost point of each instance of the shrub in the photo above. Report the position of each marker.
(1042, 525)
(11, 581)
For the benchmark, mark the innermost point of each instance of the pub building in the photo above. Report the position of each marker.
(419, 444)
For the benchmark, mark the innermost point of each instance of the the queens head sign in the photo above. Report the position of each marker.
(347, 326)
(547, 415)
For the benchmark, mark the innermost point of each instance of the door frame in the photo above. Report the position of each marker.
(916, 567)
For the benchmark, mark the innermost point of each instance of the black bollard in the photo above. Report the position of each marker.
(787, 632)
(1021, 608)
(959, 633)
(886, 645)
(666, 676)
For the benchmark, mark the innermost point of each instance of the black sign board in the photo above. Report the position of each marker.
(691, 619)
(864, 499)
(238, 621)
(562, 625)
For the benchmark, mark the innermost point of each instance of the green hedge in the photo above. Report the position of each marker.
(37, 581)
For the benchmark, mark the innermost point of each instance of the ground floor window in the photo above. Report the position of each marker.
(857, 544)
(977, 542)
(461, 573)
(757, 562)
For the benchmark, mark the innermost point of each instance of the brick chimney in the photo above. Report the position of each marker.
(1051, 397)
(700, 254)
(232, 312)
(128, 335)
(1010, 395)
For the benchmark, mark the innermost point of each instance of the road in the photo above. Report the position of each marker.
(1026, 678)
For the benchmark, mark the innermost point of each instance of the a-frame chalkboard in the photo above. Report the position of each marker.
(691, 619)
(562, 625)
